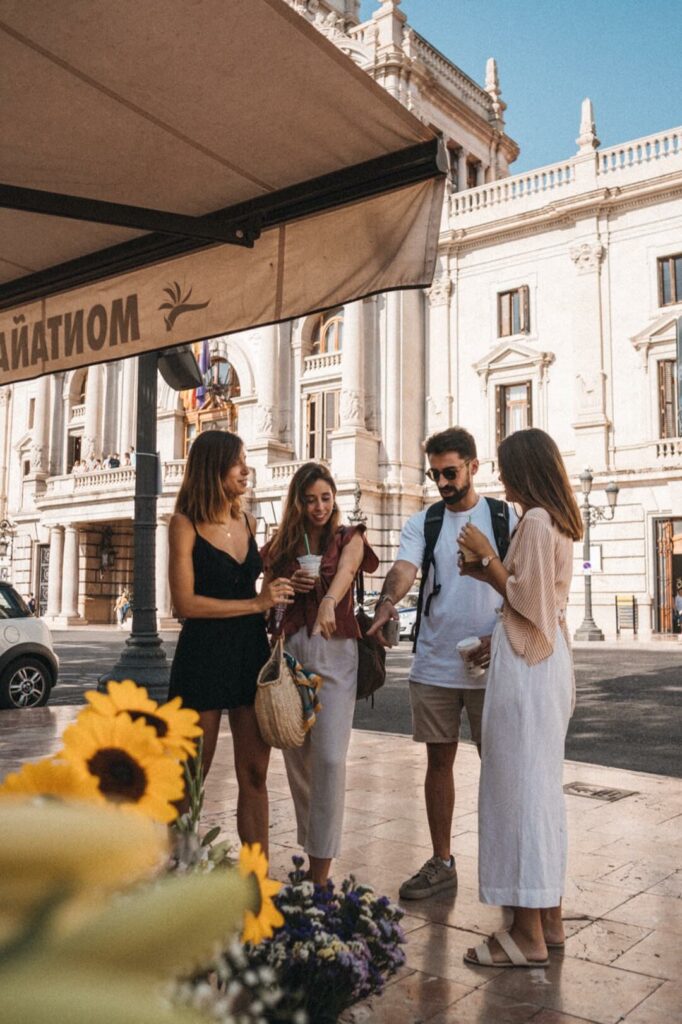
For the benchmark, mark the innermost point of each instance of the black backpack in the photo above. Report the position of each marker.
(499, 513)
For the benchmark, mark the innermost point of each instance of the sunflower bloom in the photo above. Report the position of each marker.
(52, 777)
(128, 761)
(175, 726)
(259, 925)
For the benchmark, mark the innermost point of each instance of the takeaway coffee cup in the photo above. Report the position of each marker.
(466, 648)
(310, 564)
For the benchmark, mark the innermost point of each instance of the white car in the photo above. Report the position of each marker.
(407, 610)
(28, 663)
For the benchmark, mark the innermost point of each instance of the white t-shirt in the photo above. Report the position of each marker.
(464, 607)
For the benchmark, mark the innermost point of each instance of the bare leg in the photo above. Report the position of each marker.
(319, 869)
(553, 926)
(210, 724)
(251, 759)
(439, 793)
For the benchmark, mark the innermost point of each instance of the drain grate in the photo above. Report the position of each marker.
(597, 792)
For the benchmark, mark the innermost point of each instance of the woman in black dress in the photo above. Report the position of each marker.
(214, 564)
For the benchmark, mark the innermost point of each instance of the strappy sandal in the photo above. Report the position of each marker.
(483, 957)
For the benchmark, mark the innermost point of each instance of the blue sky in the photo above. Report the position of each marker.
(626, 55)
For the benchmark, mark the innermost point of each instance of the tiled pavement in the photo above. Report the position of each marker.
(623, 903)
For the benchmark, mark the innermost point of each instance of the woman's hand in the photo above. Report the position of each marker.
(279, 591)
(303, 582)
(472, 538)
(325, 623)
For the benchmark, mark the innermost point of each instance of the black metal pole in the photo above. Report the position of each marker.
(143, 658)
(588, 629)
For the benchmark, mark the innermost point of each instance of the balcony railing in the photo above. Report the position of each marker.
(77, 413)
(325, 361)
(629, 163)
(669, 449)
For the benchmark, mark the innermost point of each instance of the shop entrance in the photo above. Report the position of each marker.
(668, 549)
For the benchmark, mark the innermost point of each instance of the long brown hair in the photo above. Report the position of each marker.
(286, 544)
(531, 467)
(202, 496)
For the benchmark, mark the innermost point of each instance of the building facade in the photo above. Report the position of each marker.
(555, 304)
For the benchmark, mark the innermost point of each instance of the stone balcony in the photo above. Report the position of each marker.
(325, 364)
(103, 485)
(617, 167)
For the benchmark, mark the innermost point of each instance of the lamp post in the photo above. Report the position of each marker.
(592, 514)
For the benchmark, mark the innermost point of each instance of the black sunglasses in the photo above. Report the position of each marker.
(450, 472)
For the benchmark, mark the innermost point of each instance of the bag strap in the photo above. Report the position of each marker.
(499, 514)
(433, 524)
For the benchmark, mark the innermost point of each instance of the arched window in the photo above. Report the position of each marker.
(211, 406)
(327, 333)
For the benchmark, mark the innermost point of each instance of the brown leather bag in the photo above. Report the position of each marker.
(371, 654)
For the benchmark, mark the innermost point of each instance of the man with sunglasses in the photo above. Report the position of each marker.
(452, 607)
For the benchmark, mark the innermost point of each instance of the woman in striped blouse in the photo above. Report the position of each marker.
(528, 704)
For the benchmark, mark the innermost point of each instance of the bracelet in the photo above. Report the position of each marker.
(328, 597)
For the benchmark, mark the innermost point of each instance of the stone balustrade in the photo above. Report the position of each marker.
(173, 471)
(640, 160)
(283, 471)
(323, 362)
(669, 450)
(77, 413)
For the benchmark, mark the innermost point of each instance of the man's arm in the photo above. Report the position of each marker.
(399, 579)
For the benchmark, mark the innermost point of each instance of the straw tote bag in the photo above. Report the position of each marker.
(279, 709)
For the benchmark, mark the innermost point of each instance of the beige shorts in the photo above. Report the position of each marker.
(437, 712)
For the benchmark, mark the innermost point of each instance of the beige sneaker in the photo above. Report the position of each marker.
(432, 877)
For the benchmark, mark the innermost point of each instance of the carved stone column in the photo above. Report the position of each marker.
(352, 413)
(392, 385)
(127, 408)
(591, 424)
(163, 596)
(40, 448)
(54, 572)
(439, 398)
(355, 451)
(267, 448)
(462, 170)
(92, 430)
(69, 602)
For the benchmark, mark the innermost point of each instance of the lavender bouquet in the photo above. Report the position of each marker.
(335, 948)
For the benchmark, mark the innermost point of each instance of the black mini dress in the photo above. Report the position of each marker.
(217, 661)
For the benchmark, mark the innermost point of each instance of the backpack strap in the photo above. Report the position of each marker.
(432, 526)
(499, 514)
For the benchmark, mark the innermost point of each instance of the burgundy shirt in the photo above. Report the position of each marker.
(303, 611)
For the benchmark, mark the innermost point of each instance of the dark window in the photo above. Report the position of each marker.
(74, 452)
(667, 397)
(472, 173)
(670, 280)
(513, 312)
(322, 417)
(513, 408)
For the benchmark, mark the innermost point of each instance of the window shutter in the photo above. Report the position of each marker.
(666, 398)
(529, 403)
(504, 315)
(500, 414)
(525, 309)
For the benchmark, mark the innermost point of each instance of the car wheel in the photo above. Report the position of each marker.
(26, 683)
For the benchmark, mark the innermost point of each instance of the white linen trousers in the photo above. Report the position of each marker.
(521, 808)
(317, 770)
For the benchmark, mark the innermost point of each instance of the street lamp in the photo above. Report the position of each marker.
(592, 514)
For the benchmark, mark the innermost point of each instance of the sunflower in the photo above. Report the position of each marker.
(52, 777)
(258, 926)
(174, 725)
(128, 761)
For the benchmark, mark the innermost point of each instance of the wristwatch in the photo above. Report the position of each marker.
(487, 559)
(384, 597)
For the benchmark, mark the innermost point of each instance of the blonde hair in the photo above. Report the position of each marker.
(532, 468)
(202, 496)
(286, 544)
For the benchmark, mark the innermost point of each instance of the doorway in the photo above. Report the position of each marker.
(668, 550)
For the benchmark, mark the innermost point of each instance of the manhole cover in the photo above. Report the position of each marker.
(597, 792)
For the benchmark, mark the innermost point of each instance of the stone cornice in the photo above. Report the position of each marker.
(562, 211)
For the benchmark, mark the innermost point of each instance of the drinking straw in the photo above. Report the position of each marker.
(307, 545)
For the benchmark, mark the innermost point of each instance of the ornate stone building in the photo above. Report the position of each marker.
(554, 304)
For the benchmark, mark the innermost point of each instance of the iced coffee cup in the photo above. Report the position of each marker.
(310, 564)
(466, 648)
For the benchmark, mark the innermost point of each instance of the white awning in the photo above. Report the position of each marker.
(140, 137)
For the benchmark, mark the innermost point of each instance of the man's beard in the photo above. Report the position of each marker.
(457, 495)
